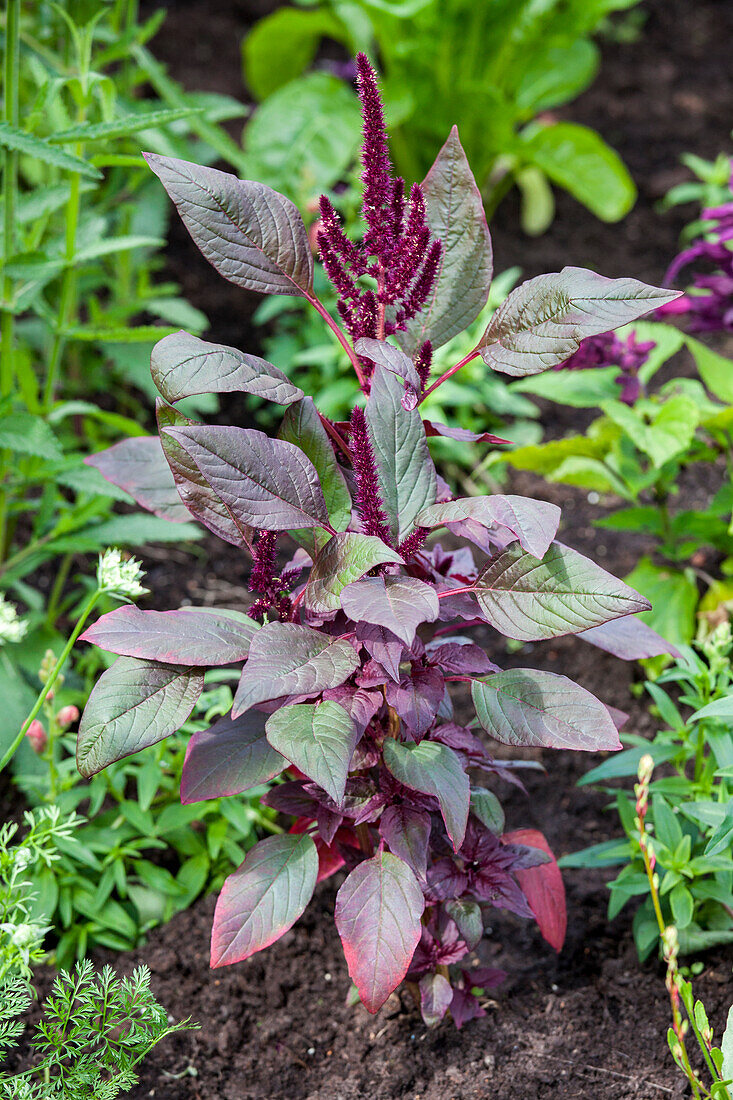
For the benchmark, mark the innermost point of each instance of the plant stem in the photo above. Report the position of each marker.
(444, 377)
(353, 357)
(86, 612)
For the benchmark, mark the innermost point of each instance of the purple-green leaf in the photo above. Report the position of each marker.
(290, 659)
(252, 235)
(436, 994)
(524, 706)
(191, 636)
(399, 604)
(242, 478)
(467, 917)
(231, 756)
(630, 639)
(534, 522)
(183, 365)
(264, 897)
(543, 321)
(394, 360)
(487, 808)
(139, 467)
(134, 704)
(378, 912)
(455, 215)
(417, 698)
(319, 738)
(407, 477)
(302, 426)
(406, 832)
(436, 770)
(345, 557)
(529, 599)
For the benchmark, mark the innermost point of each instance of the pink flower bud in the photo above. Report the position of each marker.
(67, 716)
(37, 736)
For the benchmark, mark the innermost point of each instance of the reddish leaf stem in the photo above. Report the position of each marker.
(320, 308)
(444, 377)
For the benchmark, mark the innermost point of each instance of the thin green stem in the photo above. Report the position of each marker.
(86, 612)
(68, 283)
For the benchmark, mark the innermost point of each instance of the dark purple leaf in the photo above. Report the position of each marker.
(231, 756)
(289, 659)
(467, 917)
(319, 738)
(139, 467)
(416, 698)
(361, 705)
(264, 897)
(464, 435)
(459, 657)
(386, 649)
(564, 593)
(455, 214)
(525, 706)
(291, 797)
(407, 478)
(183, 365)
(394, 360)
(436, 770)
(543, 321)
(533, 522)
(191, 636)
(134, 704)
(628, 638)
(406, 832)
(400, 604)
(246, 479)
(252, 235)
(465, 1007)
(436, 995)
(345, 557)
(378, 912)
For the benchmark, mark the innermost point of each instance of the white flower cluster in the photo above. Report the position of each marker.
(12, 627)
(120, 576)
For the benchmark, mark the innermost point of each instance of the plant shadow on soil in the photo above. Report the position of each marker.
(590, 1022)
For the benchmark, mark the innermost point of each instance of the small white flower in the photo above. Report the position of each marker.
(120, 576)
(12, 627)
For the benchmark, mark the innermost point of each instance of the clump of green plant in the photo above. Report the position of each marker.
(509, 63)
(718, 1060)
(95, 1030)
(690, 804)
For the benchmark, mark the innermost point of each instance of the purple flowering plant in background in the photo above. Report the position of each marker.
(609, 349)
(356, 659)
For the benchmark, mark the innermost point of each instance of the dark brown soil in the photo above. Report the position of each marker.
(591, 1022)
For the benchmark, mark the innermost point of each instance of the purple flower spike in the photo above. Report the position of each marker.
(368, 497)
(378, 187)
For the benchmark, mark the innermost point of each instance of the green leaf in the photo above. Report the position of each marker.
(673, 596)
(584, 389)
(302, 426)
(433, 769)
(30, 435)
(282, 46)
(346, 557)
(144, 119)
(579, 160)
(715, 370)
(29, 145)
(660, 431)
(319, 739)
(726, 1046)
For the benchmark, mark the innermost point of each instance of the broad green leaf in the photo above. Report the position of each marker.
(378, 912)
(488, 809)
(660, 431)
(467, 917)
(282, 46)
(578, 159)
(714, 369)
(563, 593)
(134, 704)
(407, 476)
(184, 366)
(543, 321)
(319, 738)
(29, 435)
(525, 706)
(726, 1046)
(455, 215)
(41, 149)
(673, 596)
(264, 897)
(289, 659)
(346, 556)
(436, 770)
(253, 236)
(231, 756)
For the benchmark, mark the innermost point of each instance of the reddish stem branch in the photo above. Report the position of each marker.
(320, 308)
(456, 591)
(444, 377)
(335, 435)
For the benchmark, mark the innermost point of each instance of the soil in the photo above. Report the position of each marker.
(590, 1022)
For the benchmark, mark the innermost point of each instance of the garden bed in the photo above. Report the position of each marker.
(589, 1022)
